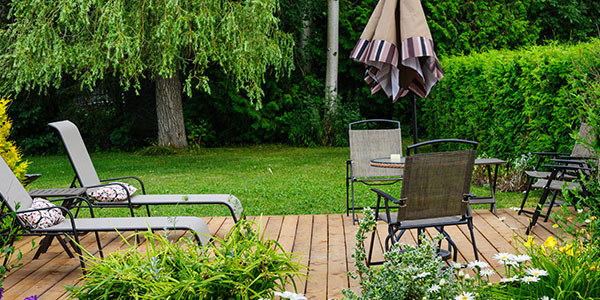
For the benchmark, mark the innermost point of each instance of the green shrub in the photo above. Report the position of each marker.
(243, 266)
(512, 102)
(9, 151)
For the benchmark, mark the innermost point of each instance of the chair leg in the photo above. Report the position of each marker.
(529, 183)
(352, 194)
(347, 197)
(148, 210)
(471, 229)
(555, 193)
(99, 244)
(370, 255)
(538, 210)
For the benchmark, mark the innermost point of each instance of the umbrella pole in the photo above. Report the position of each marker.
(415, 130)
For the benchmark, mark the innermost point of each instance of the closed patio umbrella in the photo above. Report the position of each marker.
(397, 50)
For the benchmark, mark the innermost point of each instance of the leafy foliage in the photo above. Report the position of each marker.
(512, 102)
(242, 266)
(89, 38)
(9, 151)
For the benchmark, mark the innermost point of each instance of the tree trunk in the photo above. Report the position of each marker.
(169, 112)
(333, 13)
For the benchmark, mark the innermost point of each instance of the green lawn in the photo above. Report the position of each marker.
(269, 180)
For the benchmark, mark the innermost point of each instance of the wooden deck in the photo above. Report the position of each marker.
(325, 243)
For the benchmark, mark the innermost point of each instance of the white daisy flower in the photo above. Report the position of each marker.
(588, 221)
(503, 257)
(528, 279)
(477, 264)
(455, 265)
(465, 296)
(421, 275)
(521, 258)
(536, 272)
(467, 277)
(502, 219)
(443, 282)
(578, 211)
(434, 288)
(515, 208)
(290, 295)
(460, 274)
(546, 298)
(509, 279)
(487, 272)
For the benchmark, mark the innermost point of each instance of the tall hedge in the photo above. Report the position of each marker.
(512, 102)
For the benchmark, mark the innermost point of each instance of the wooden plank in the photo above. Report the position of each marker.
(497, 232)
(485, 249)
(337, 271)
(301, 247)
(316, 287)
(287, 234)
(273, 227)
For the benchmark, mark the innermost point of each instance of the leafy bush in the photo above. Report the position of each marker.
(243, 266)
(512, 102)
(417, 273)
(557, 270)
(9, 151)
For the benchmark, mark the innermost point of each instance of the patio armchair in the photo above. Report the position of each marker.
(368, 144)
(16, 200)
(545, 164)
(86, 175)
(435, 193)
(555, 183)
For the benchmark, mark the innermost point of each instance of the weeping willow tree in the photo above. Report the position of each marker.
(160, 39)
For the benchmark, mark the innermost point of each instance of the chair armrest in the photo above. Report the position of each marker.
(127, 177)
(388, 197)
(574, 168)
(569, 161)
(550, 153)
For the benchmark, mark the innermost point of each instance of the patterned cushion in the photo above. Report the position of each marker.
(112, 192)
(42, 218)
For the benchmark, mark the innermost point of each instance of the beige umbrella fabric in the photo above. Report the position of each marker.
(397, 49)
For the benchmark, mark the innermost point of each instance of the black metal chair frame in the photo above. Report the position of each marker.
(580, 167)
(397, 229)
(350, 179)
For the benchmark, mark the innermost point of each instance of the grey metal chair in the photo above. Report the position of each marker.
(435, 193)
(368, 144)
(538, 178)
(86, 175)
(15, 199)
(554, 184)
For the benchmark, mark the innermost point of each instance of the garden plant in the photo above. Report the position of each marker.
(244, 265)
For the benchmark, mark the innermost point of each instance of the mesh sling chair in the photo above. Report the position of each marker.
(15, 199)
(435, 193)
(365, 145)
(554, 184)
(545, 164)
(86, 175)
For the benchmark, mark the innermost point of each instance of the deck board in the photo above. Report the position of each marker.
(324, 243)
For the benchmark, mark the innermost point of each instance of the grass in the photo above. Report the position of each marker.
(269, 180)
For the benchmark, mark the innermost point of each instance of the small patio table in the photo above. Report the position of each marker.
(488, 162)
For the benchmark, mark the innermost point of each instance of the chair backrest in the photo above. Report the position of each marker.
(78, 154)
(368, 144)
(11, 190)
(584, 141)
(435, 184)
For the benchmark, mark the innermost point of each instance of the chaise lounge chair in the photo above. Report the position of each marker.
(86, 175)
(16, 200)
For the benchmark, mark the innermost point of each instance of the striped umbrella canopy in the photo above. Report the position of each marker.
(397, 50)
